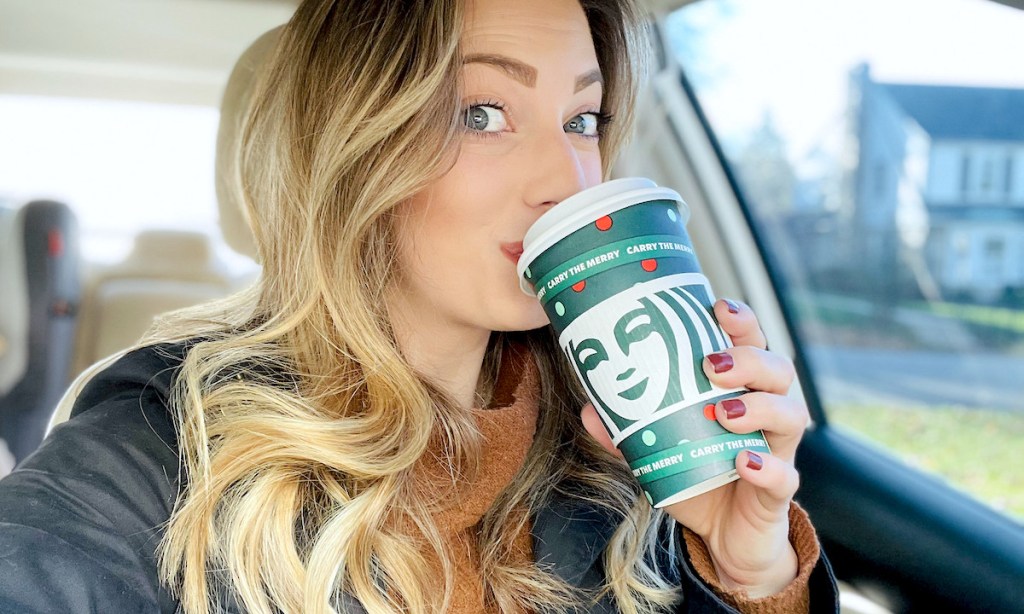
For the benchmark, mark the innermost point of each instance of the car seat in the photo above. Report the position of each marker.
(166, 270)
(39, 297)
(234, 227)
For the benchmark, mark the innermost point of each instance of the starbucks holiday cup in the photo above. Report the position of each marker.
(614, 268)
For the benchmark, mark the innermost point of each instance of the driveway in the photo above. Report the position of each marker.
(968, 378)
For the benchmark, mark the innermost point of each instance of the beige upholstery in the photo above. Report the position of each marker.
(13, 300)
(234, 223)
(166, 270)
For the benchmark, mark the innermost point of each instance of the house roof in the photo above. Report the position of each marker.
(954, 112)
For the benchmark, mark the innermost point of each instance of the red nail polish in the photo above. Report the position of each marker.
(732, 306)
(734, 408)
(754, 461)
(721, 361)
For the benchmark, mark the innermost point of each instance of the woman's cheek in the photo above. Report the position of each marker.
(533, 314)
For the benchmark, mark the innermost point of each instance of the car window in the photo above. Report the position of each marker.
(879, 148)
(121, 166)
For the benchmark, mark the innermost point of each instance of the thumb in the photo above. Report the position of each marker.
(592, 422)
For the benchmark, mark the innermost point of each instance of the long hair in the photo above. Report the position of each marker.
(301, 428)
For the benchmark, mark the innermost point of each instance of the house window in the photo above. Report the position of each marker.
(965, 173)
(1008, 183)
(994, 253)
(995, 248)
(986, 183)
(986, 175)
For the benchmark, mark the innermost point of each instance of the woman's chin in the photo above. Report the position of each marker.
(528, 316)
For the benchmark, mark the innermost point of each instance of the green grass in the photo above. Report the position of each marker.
(977, 451)
(809, 307)
(1010, 320)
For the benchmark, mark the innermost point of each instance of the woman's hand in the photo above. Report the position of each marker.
(745, 524)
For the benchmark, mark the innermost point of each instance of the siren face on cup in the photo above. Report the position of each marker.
(617, 362)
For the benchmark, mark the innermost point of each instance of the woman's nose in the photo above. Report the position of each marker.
(557, 170)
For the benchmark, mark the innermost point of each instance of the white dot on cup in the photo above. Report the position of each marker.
(649, 498)
(672, 214)
(649, 438)
(529, 275)
(559, 308)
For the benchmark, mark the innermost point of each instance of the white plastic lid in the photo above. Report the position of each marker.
(585, 207)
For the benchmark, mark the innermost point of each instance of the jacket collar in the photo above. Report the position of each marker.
(569, 536)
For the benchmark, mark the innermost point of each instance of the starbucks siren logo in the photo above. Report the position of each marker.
(639, 352)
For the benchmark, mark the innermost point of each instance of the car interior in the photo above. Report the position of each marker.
(899, 538)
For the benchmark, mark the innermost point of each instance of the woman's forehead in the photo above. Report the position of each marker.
(496, 26)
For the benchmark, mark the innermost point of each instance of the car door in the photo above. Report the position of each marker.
(857, 174)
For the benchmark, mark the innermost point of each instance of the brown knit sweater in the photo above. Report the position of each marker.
(508, 426)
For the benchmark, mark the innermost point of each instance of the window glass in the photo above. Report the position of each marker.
(121, 166)
(879, 145)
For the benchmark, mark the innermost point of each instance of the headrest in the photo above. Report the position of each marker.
(170, 254)
(234, 223)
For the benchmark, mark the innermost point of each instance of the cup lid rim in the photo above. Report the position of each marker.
(575, 212)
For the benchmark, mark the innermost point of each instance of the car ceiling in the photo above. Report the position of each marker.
(174, 51)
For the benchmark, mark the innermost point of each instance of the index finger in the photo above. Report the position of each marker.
(740, 323)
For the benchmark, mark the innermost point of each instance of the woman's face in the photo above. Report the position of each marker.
(531, 96)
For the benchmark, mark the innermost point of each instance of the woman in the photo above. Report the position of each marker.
(384, 422)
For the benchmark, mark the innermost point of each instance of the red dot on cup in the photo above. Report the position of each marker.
(649, 265)
(604, 223)
(709, 411)
(578, 286)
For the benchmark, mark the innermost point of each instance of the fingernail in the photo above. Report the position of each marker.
(733, 307)
(721, 361)
(734, 408)
(754, 461)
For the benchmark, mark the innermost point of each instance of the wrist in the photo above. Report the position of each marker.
(759, 583)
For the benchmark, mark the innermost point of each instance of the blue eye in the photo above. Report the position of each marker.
(485, 118)
(586, 124)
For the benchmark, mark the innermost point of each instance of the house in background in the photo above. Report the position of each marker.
(938, 190)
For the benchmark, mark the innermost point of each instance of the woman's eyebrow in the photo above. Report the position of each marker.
(520, 71)
(593, 76)
(523, 72)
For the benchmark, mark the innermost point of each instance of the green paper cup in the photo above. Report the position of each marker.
(614, 268)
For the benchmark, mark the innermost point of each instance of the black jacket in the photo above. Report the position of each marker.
(81, 518)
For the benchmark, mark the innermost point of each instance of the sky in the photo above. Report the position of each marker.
(792, 57)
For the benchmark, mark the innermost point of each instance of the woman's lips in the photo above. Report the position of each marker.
(512, 251)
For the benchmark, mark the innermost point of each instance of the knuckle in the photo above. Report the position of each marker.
(786, 367)
(787, 479)
(794, 480)
(803, 414)
(796, 413)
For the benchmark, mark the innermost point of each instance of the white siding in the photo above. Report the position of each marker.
(966, 261)
(1017, 181)
(944, 173)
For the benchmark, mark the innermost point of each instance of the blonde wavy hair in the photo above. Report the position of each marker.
(301, 428)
